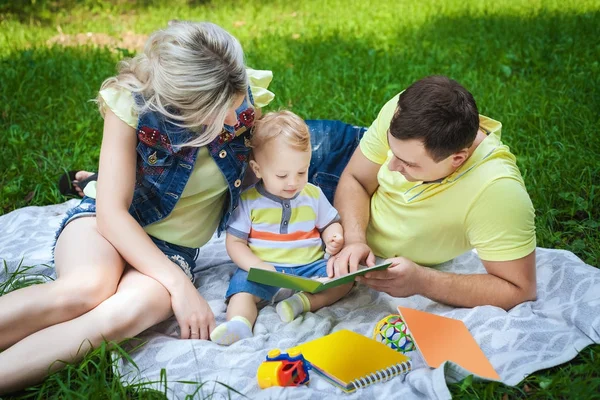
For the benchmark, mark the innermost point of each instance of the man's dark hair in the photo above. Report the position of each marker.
(438, 111)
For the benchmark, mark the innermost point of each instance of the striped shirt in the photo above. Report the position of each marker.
(284, 232)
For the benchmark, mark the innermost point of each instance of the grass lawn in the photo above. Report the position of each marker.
(534, 65)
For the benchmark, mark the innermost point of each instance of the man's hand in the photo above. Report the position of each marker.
(401, 279)
(349, 258)
(196, 319)
(335, 244)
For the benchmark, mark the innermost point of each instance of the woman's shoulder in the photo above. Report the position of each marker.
(121, 102)
(259, 81)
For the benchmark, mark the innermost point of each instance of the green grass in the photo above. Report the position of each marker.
(534, 65)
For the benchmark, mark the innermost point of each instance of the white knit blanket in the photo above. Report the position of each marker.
(532, 336)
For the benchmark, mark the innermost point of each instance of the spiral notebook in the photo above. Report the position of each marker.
(351, 361)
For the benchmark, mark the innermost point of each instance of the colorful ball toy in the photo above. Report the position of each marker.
(393, 332)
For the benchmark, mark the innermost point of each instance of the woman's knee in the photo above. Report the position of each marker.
(135, 312)
(78, 298)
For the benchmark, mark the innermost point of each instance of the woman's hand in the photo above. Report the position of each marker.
(192, 312)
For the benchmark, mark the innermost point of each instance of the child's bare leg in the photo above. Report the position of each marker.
(327, 297)
(303, 302)
(241, 315)
(139, 303)
(88, 270)
(243, 305)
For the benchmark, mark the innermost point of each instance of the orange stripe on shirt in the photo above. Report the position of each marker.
(284, 237)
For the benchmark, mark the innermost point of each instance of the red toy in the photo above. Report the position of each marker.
(283, 369)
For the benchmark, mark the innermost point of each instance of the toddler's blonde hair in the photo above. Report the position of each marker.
(188, 72)
(281, 124)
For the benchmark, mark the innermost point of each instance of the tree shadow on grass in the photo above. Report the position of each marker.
(42, 11)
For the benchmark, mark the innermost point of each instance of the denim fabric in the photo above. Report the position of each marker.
(239, 281)
(184, 257)
(164, 167)
(333, 143)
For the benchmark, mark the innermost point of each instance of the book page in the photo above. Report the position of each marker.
(295, 282)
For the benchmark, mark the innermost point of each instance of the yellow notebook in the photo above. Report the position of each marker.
(351, 361)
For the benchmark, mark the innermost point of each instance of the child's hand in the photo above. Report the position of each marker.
(334, 244)
(264, 265)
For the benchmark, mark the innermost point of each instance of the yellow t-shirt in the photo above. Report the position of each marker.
(193, 220)
(483, 205)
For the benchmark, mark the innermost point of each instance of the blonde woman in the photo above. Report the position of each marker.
(176, 121)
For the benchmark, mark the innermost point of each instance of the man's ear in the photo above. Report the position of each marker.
(459, 158)
(255, 168)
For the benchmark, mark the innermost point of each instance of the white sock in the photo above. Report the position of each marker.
(229, 332)
(289, 309)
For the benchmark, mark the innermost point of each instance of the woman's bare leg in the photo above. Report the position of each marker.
(88, 269)
(139, 303)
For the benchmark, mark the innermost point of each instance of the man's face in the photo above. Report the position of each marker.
(411, 160)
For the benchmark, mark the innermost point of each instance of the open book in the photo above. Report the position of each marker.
(309, 285)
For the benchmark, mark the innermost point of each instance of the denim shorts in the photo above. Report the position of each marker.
(332, 143)
(239, 282)
(184, 257)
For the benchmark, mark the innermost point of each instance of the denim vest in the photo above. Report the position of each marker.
(163, 166)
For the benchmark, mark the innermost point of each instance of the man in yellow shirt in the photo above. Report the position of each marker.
(429, 181)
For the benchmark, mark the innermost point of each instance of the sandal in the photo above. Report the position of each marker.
(66, 186)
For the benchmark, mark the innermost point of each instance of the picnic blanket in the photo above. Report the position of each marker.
(532, 336)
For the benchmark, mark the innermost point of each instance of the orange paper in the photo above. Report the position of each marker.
(442, 339)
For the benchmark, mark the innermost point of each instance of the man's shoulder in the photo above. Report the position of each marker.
(389, 108)
(501, 190)
(496, 172)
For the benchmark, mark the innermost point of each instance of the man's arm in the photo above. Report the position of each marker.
(352, 200)
(353, 196)
(506, 284)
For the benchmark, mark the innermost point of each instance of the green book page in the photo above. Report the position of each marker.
(280, 279)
